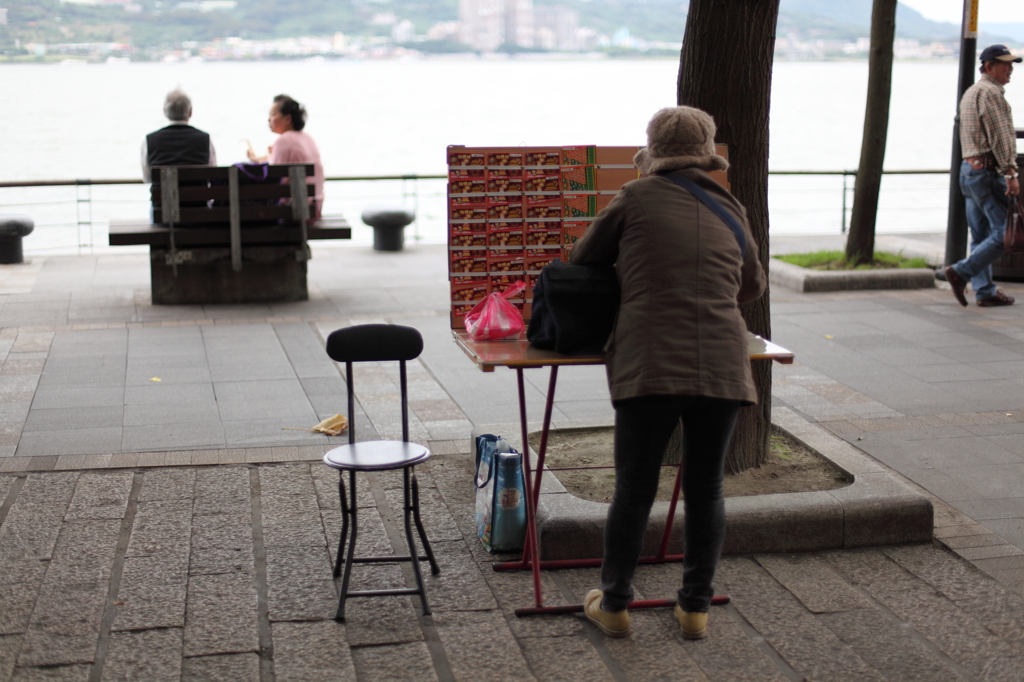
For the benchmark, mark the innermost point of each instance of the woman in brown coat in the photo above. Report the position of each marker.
(679, 350)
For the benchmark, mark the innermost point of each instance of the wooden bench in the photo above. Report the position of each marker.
(216, 239)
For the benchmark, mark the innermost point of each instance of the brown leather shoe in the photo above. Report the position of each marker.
(958, 284)
(999, 299)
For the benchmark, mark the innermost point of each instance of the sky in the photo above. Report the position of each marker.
(989, 11)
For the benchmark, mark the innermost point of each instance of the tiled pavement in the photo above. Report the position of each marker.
(223, 573)
(151, 534)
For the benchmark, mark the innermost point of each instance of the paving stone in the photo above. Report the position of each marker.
(152, 593)
(33, 523)
(891, 650)
(299, 584)
(9, 646)
(479, 645)
(302, 529)
(222, 543)
(454, 477)
(150, 655)
(437, 519)
(653, 651)
(812, 581)
(18, 600)
(220, 615)
(84, 551)
(728, 654)
(514, 589)
(810, 648)
(290, 479)
(408, 662)
(275, 505)
(222, 668)
(326, 480)
(459, 586)
(161, 527)
(563, 658)
(311, 652)
(6, 482)
(168, 484)
(63, 673)
(950, 628)
(222, 490)
(956, 579)
(371, 621)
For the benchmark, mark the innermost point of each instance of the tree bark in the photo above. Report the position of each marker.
(860, 245)
(726, 69)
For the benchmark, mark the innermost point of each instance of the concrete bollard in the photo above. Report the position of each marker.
(388, 226)
(12, 228)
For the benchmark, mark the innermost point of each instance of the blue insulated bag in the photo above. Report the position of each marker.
(500, 496)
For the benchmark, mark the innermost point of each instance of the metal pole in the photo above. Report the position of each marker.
(956, 224)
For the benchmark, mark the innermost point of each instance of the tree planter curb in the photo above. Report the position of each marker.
(811, 281)
(876, 509)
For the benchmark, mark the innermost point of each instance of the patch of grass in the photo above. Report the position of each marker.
(836, 260)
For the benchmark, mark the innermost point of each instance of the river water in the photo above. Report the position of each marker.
(397, 117)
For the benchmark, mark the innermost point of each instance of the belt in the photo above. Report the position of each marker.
(981, 162)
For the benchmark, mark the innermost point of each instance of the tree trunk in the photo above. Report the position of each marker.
(726, 70)
(860, 245)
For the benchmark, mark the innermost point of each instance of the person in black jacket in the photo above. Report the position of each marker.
(179, 144)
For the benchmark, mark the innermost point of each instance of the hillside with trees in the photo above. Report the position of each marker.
(167, 22)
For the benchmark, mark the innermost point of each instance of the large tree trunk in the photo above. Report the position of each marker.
(860, 246)
(726, 70)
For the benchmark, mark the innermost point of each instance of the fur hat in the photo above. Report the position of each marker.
(679, 137)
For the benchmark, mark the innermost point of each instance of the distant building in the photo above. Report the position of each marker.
(557, 28)
(3, 16)
(488, 24)
(519, 22)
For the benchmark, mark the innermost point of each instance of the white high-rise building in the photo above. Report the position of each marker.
(519, 22)
(559, 26)
(488, 24)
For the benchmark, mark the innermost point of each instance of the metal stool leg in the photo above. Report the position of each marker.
(347, 573)
(344, 525)
(413, 552)
(434, 569)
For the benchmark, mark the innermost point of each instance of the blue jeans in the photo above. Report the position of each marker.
(643, 427)
(985, 194)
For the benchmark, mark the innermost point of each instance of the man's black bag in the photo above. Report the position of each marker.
(574, 308)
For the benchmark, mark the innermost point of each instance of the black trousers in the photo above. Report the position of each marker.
(643, 427)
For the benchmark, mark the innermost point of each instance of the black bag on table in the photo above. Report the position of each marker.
(574, 308)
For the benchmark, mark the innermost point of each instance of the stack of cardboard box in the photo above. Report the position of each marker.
(513, 210)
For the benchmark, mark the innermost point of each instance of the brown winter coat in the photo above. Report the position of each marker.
(679, 330)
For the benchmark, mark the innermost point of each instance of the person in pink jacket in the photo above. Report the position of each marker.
(287, 119)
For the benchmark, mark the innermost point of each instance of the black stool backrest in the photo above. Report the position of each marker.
(375, 343)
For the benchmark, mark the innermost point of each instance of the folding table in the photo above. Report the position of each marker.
(519, 354)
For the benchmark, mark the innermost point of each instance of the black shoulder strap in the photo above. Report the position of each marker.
(705, 198)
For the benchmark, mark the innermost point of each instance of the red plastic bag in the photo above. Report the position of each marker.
(495, 318)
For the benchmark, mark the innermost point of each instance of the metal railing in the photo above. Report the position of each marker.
(91, 213)
(83, 217)
(847, 187)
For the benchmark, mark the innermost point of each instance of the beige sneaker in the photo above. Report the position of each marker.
(612, 624)
(693, 625)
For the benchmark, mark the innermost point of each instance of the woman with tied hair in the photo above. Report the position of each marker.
(287, 119)
(678, 351)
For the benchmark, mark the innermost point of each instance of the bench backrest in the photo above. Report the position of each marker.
(193, 188)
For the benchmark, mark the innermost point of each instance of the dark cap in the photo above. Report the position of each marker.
(999, 52)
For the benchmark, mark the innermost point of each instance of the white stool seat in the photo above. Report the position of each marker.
(376, 455)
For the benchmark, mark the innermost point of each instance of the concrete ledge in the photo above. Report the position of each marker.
(876, 509)
(812, 281)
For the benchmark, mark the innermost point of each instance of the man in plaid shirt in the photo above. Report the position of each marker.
(988, 176)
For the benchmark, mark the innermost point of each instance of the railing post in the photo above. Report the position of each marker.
(842, 224)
